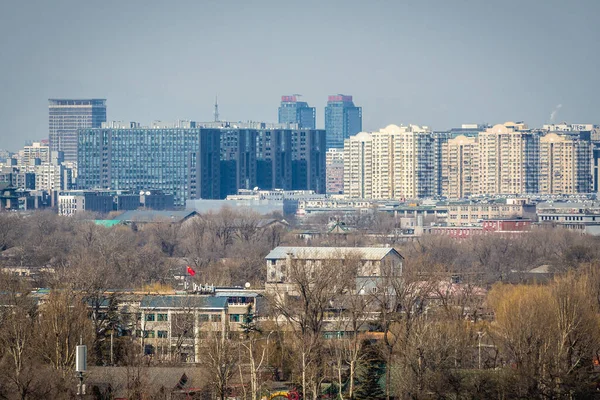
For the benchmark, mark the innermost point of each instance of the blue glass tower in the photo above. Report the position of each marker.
(293, 111)
(342, 120)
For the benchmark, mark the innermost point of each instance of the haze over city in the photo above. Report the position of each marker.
(433, 63)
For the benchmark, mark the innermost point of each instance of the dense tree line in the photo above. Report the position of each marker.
(497, 332)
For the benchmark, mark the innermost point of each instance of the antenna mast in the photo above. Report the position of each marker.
(216, 109)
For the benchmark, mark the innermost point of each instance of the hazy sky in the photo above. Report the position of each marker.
(437, 63)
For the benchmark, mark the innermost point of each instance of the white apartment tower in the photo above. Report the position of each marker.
(358, 164)
(460, 167)
(565, 164)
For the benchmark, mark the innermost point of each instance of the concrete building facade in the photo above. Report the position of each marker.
(358, 166)
(565, 164)
(509, 159)
(460, 167)
(334, 165)
(67, 116)
(396, 162)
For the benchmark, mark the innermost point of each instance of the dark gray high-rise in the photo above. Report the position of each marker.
(293, 111)
(66, 116)
(342, 120)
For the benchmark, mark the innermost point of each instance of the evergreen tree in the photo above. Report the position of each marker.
(248, 326)
(370, 373)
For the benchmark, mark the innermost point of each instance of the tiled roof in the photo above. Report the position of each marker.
(186, 301)
(324, 253)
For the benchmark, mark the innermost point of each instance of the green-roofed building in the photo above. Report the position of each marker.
(108, 222)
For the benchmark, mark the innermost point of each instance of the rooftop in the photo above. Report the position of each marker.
(184, 301)
(323, 253)
(143, 216)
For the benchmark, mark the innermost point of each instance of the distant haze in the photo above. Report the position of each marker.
(437, 63)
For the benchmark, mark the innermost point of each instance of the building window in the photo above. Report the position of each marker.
(162, 317)
(203, 317)
(149, 317)
(162, 334)
(234, 318)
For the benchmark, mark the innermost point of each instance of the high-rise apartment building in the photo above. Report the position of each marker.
(238, 160)
(297, 112)
(565, 164)
(66, 116)
(358, 166)
(308, 160)
(460, 167)
(334, 166)
(399, 162)
(509, 159)
(184, 162)
(403, 162)
(342, 120)
(36, 150)
(274, 159)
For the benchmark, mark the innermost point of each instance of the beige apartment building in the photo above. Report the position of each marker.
(401, 164)
(36, 150)
(565, 165)
(508, 159)
(358, 166)
(460, 167)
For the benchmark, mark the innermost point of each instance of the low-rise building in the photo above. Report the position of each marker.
(466, 214)
(373, 262)
(580, 217)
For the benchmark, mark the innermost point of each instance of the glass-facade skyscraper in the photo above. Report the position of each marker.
(293, 111)
(66, 116)
(179, 161)
(342, 120)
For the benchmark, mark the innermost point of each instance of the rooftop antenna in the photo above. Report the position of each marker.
(216, 109)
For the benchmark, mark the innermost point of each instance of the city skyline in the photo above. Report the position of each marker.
(434, 64)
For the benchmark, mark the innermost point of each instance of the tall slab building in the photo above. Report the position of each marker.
(342, 120)
(67, 116)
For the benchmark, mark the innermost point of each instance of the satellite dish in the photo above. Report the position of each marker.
(141, 192)
(256, 188)
(247, 285)
(148, 193)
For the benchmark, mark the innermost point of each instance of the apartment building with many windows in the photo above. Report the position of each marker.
(358, 166)
(397, 162)
(509, 159)
(460, 167)
(565, 164)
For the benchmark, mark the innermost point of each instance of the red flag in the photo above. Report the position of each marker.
(191, 271)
